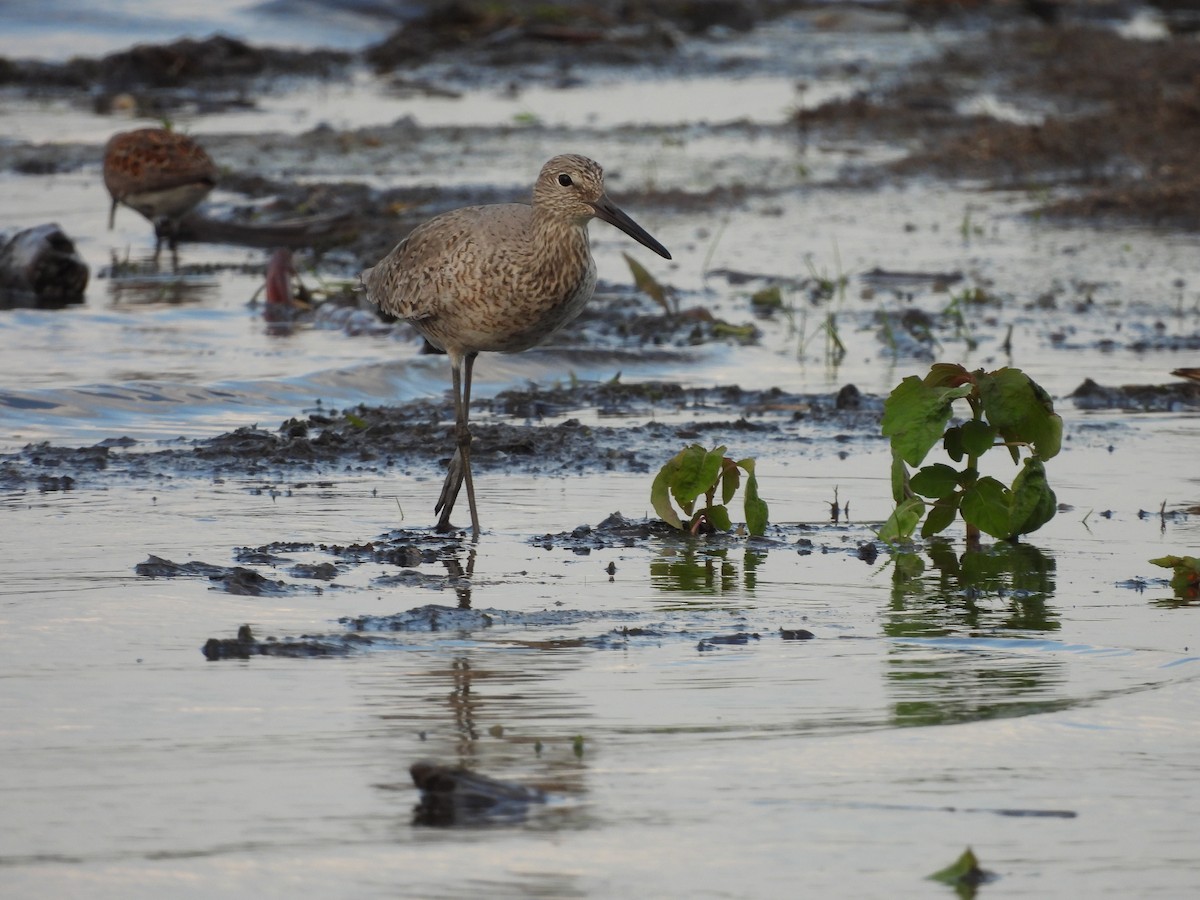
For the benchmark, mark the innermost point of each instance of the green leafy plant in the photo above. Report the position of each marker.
(964, 874)
(693, 474)
(1008, 409)
(1185, 579)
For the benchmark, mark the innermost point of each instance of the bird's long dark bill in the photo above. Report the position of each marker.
(610, 213)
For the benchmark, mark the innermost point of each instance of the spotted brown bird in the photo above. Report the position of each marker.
(162, 174)
(499, 278)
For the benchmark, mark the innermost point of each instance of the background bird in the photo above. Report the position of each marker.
(162, 174)
(498, 278)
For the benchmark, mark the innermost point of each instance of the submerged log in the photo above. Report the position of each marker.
(309, 231)
(40, 267)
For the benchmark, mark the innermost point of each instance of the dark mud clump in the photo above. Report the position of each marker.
(555, 37)
(231, 579)
(738, 639)
(246, 645)
(1174, 397)
(614, 531)
(451, 795)
(212, 61)
(434, 618)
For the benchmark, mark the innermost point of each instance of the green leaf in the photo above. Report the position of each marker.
(903, 521)
(936, 480)
(1005, 513)
(1185, 580)
(718, 517)
(953, 443)
(1177, 562)
(1021, 411)
(900, 487)
(947, 375)
(941, 516)
(977, 437)
(755, 507)
(1033, 503)
(964, 872)
(660, 494)
(697, 473)
(985, 504)
(915, 416)
(731, 479)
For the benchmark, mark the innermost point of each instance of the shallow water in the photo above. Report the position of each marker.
(856, 761)
(1045, 718)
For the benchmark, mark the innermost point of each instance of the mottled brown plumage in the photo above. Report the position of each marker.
(498, 278)
(161, 174)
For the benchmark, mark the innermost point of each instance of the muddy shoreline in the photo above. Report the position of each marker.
(416, 437)
(511, 435)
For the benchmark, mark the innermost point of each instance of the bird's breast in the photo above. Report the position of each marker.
(506, 302)
(522, 311)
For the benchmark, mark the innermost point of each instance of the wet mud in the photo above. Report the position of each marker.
(425, 559)
(417, 437)
(1110, 116)
(512, 434)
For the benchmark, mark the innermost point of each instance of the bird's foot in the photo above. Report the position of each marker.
(455, 474)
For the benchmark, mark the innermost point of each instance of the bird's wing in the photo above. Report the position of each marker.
(157, 162)
(447, 259)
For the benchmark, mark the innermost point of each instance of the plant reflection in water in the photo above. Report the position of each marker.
(693, 566)
(972, 615)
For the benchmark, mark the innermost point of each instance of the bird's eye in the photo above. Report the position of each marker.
(565, 180)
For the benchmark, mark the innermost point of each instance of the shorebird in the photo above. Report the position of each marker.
(161, 174)
(499, 278)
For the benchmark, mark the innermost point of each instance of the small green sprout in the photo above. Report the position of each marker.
(1185, 579)
(695, 473)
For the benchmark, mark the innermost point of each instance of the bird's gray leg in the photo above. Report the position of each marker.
(163, 234)
(173, 240)
(460, 465)
(454, 472)
(465, 443)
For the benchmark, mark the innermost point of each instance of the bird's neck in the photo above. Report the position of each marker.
(557, 244)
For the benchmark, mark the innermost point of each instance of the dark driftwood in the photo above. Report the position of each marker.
(310, 231)
(40, 267)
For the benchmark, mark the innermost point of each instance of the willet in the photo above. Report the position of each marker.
(498, 278)
(161, 174)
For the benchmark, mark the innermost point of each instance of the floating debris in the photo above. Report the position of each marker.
(451, 795)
